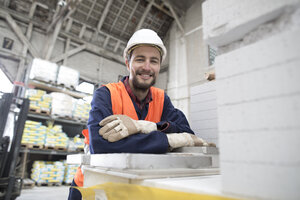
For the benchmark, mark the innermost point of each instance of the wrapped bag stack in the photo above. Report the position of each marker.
(39, 100)
(34, 133)
(47, 172)
(43, 70)
(70, 171)
(56, 138)
(68, 77)
(62, 105)
(81, 110)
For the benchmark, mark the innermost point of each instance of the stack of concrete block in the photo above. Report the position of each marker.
(203, 111)
(258, 95)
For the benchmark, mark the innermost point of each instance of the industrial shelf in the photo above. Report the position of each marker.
(52, 88)
(49, 117)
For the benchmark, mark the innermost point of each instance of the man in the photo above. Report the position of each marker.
(134, 116)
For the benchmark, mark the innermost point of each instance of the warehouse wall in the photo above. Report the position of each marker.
(188, 58)
(258, 95)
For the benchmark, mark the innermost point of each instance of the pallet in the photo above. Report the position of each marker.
(60, 148)
(39, 111)
(32, 146)
(49, 184)
(71, 87)
(28, 184)
(67, 117)
(80, 120)
(49, 147)
(79, 150)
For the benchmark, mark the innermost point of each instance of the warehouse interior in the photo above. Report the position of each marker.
(232, 68)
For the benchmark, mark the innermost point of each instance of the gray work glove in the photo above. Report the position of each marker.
(177, 140)
(117, 127)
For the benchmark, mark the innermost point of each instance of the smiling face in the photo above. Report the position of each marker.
(144, 66)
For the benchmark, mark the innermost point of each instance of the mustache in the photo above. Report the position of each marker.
(142, 71)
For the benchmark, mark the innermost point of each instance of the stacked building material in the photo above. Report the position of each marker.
(79, 143)
(62, 105)
(56, 138)
(43, 70)
(68, 77)
(34, 134)
(40, 102)
(43, 172)
(70, 171)
(81, 110)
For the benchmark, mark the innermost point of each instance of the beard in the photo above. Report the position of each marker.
(138, 85)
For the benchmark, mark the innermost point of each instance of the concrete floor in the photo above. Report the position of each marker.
(45, 193)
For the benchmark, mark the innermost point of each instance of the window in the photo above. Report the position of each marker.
(5, 85)
(212, 53)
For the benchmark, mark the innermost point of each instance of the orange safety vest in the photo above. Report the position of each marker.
(123, 105)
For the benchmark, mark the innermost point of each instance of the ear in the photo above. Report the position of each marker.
(127, 64)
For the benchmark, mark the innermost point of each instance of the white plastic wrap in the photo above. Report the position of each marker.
(43, 70)
(68, 76)
(62, 104)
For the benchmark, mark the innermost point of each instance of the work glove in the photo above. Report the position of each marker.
(117, 127)
(177, 140)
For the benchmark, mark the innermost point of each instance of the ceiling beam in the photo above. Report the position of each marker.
(69, 53)
(52, 40)
(91, 10)
(168, 4)
(20, 34)
(115, 20)
(103, 16)
(130, 17)
(6, 3)
(144, 15)
(95, 49)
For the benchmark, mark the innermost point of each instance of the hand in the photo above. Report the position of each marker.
(117, 127)
(177, 140)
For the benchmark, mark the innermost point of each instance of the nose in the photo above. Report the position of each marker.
(147, 65)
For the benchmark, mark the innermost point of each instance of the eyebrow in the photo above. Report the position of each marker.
(141, 56)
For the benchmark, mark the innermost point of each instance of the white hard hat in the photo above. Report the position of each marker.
(147, 37)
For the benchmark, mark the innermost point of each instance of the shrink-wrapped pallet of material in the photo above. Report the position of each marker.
(56, 138)
(62, 105)
(47, 172)
(70, 171)
(81, 110)
(40, 102)
(43, 70)
(68, 77)
(33, 134)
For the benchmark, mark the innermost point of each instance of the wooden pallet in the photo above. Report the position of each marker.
(60, 148)
(39, 111)
(80, 120)
(33, 146)
(71, 87)
(67, 117)
(28, 184)
(49, 147)
(79, 150)
(49, 184)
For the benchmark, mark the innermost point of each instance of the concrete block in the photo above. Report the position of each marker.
(206, 87)
(150, 161)
(279, 147)
(278, 80)
(228, 21)
(271, 52)
(202, 97)
(203, 106)
(205, 124)
(273, 113)
(261, 181)
(202, 115)
(203, 150)
(80, 159)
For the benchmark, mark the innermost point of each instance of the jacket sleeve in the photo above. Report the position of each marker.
(173, 120)
(154, 142)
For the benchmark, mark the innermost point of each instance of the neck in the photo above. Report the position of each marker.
(139, 93)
